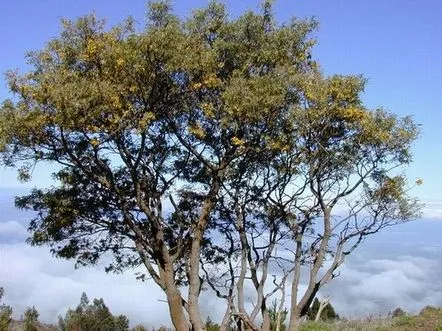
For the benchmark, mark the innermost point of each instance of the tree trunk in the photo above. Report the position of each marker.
(194, 260)
(300, 309)
(176, 310)
(226, 319)
(295, 320)
(322, 305)
(265, 321)
(174, 297)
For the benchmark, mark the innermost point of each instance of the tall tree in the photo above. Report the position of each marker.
(166, 137)
(134, 123)
(349, 170)
(333, 181)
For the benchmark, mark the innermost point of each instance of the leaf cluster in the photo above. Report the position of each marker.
(92, 316)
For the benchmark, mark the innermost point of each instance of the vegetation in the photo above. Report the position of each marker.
(5, 313)
(398, 312)
(277, 317)
(429, 318)
(328, 312)
(30, 319)
(234, 133)
(95, 316)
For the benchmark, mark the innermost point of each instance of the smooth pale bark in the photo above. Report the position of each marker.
(265, 320)
(322, 305)
(294, 313)
(194, 260)
(300, 309)
(177, 315)
(174, 300)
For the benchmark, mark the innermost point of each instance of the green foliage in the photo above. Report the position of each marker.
(236, 115)
(275, 314)
(328, 313)
(315, 326)
(5, 313)
(95, 316)
(398, 312)
(409, 321)
(430, 318)
(127, 116)
(211, 326)
(30, 319)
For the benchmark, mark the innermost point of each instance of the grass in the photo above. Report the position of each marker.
(429, 319)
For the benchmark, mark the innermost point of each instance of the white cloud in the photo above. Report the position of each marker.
(432, 210)
(399, 267)
(380, 285)
(31, 276)
(12, 230)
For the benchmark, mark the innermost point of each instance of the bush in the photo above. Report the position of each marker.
(406, 321)
(315, 326)
(5, 313)
(30, 319)
(429, 310)
(211, 326)
(95, 316)
(327, 314)
(398, 312)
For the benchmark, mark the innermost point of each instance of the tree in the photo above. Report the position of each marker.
(30, 319)
(233, 131)
(322, 310)
(398, 312)
(334, 183)
(95, 316)
(5, 313)
(132, 122)
(211, 326)
(277, 317)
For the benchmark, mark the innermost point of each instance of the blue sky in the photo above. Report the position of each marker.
(396, 44)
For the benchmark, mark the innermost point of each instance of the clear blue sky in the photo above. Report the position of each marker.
(396, 44)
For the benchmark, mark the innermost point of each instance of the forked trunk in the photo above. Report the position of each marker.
(295, 320)
(265, 321)
(176, 310)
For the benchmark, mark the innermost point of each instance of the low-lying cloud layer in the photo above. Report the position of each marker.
(400, 267)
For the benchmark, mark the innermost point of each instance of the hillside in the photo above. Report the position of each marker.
(428, 319)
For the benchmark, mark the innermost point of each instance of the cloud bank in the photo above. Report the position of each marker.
(400, 267)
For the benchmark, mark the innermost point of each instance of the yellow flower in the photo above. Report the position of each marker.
(197, 131)
(236, 141)
(120, 62)
(196, 86)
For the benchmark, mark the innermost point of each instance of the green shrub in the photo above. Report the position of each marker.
(315, 326)
(406, 321)
(30, 319)
(398, 312)
(5, 314)
(95, 316)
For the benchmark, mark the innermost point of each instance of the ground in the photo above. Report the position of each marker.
(429, 319)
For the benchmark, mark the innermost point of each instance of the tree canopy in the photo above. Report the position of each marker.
(168, 137)
(92, 316)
